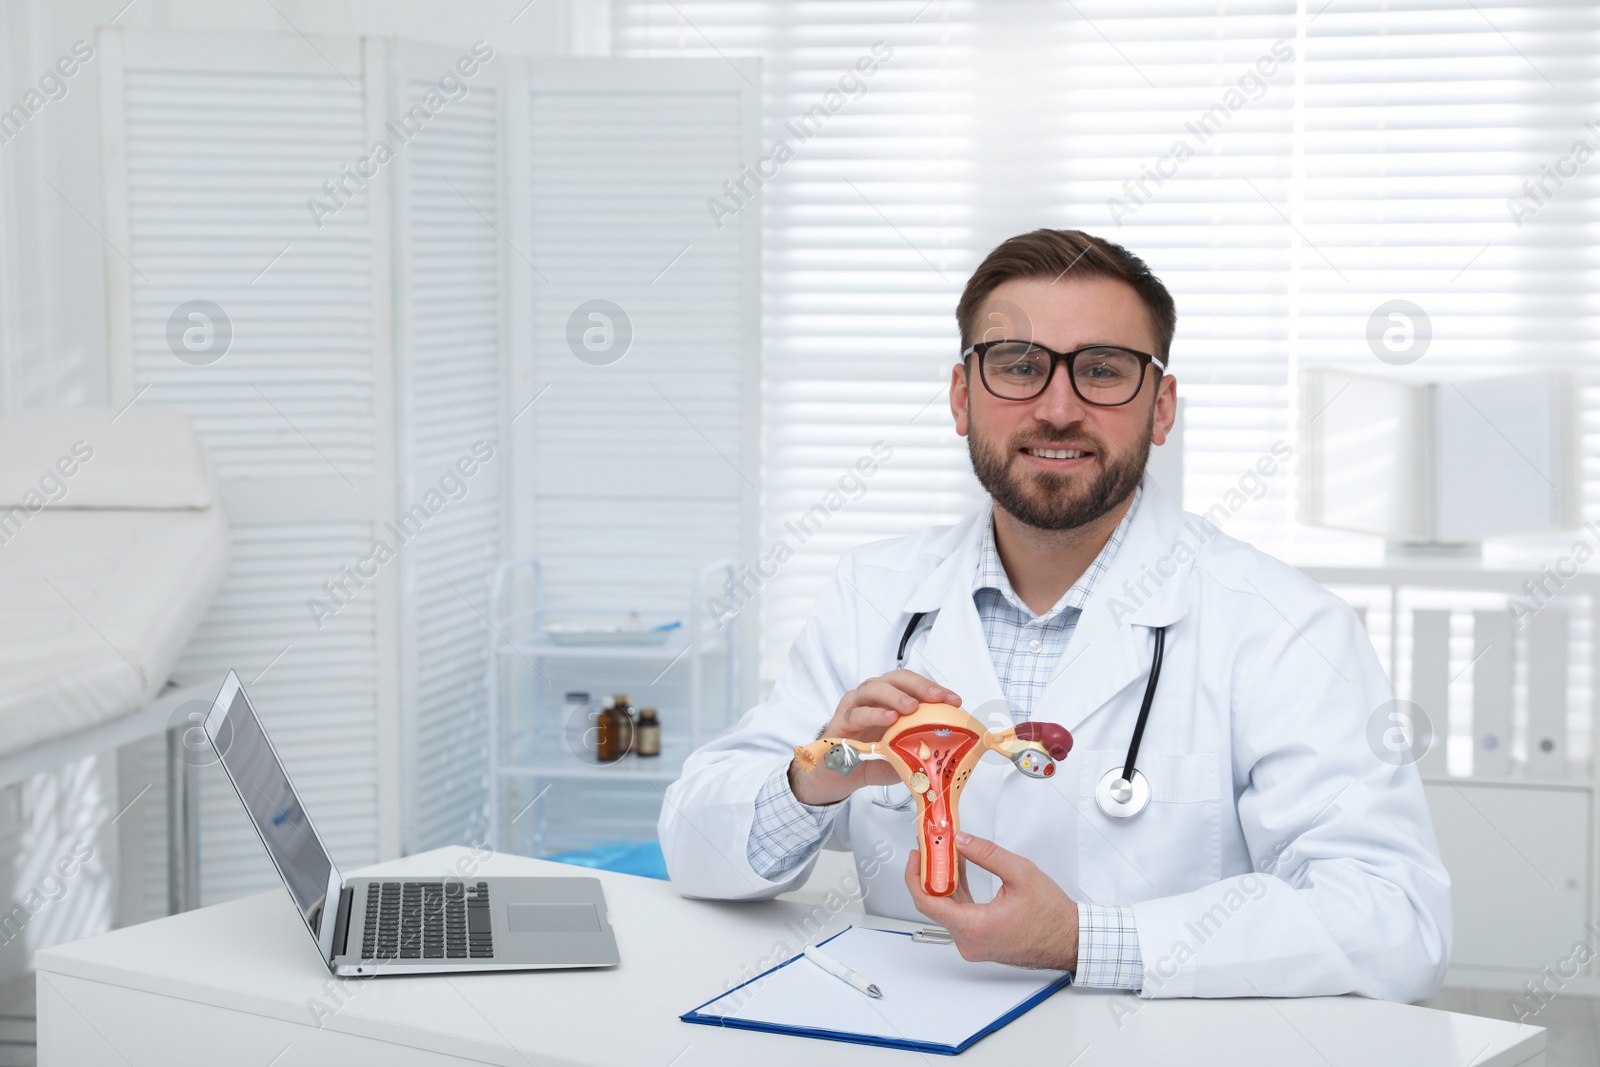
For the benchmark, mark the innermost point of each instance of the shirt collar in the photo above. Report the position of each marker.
(991, 574)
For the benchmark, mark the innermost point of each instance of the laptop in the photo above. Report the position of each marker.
(367, 927)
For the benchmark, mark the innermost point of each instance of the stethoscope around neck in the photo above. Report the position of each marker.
(1124, 791)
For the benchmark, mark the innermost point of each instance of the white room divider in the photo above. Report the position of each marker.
(353, 263)
(213, 146)
(451, 351)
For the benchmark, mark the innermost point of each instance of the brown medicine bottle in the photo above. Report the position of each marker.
(647, 733)
(607, 732)
(624, 724)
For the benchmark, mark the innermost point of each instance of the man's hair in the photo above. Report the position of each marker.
(1054, 253)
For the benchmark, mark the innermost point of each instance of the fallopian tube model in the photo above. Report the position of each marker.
(934, 750)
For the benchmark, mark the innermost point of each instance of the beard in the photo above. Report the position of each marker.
(1048, 501)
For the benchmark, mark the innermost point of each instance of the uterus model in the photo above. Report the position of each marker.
(934, 749)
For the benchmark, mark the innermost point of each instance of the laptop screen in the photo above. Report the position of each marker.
(275, 809)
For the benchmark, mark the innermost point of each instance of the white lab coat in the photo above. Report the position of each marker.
(1279, 855)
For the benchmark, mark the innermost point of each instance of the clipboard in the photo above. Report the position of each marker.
(933, 1000)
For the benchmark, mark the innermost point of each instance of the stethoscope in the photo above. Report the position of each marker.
(1124, 791)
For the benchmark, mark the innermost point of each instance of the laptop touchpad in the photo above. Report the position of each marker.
(553, 918)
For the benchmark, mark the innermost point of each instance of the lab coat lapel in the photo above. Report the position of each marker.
(953, 651)
(1110, 647)
(1101, 659)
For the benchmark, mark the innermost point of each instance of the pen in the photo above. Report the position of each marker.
(839, 970)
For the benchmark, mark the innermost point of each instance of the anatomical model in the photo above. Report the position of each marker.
(934, 750)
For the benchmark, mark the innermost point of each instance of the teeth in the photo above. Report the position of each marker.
(1055, 453)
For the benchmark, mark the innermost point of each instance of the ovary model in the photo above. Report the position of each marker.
(934, 750)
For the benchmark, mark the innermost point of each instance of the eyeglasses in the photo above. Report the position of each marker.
(1104, 375)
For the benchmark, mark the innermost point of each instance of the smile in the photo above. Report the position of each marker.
(1056, 453)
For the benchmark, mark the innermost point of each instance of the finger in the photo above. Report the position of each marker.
(1007, 866)
(904, 689)
(924, 689)
(885, 694)
(870, 718)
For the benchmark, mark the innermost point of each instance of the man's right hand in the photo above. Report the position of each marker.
(864, 713)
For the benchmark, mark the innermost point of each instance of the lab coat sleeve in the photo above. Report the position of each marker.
(707, 813)
(1348, 893)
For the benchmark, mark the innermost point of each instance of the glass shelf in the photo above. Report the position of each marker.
(556, 761)
(676, 644)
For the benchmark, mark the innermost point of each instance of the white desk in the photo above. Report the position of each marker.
(238, 983)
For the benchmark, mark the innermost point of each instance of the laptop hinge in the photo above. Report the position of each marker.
(341, 925)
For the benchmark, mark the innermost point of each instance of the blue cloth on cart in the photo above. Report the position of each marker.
(627, 857)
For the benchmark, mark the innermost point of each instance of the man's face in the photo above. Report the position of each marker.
(1005, 436)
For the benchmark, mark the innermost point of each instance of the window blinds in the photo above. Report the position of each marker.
(1287, 169)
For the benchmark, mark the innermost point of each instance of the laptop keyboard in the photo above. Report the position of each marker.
(427, 920)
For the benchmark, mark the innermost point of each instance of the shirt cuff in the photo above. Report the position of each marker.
(785, 832)
(1108, 948)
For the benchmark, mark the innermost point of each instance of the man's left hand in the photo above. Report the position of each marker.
(1031, 922)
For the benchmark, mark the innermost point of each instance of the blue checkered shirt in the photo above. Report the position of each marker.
(1025, 648)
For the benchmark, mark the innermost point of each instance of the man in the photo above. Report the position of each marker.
(1264, 846)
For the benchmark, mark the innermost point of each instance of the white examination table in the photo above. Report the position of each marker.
(112, 544)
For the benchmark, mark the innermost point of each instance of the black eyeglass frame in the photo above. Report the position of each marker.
(1069, 358)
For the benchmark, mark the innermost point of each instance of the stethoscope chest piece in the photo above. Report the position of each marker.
(1120, 798)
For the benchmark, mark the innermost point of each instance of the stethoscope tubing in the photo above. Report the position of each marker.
(1144, 707)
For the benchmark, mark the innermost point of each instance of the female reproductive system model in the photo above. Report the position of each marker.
(934, 750)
